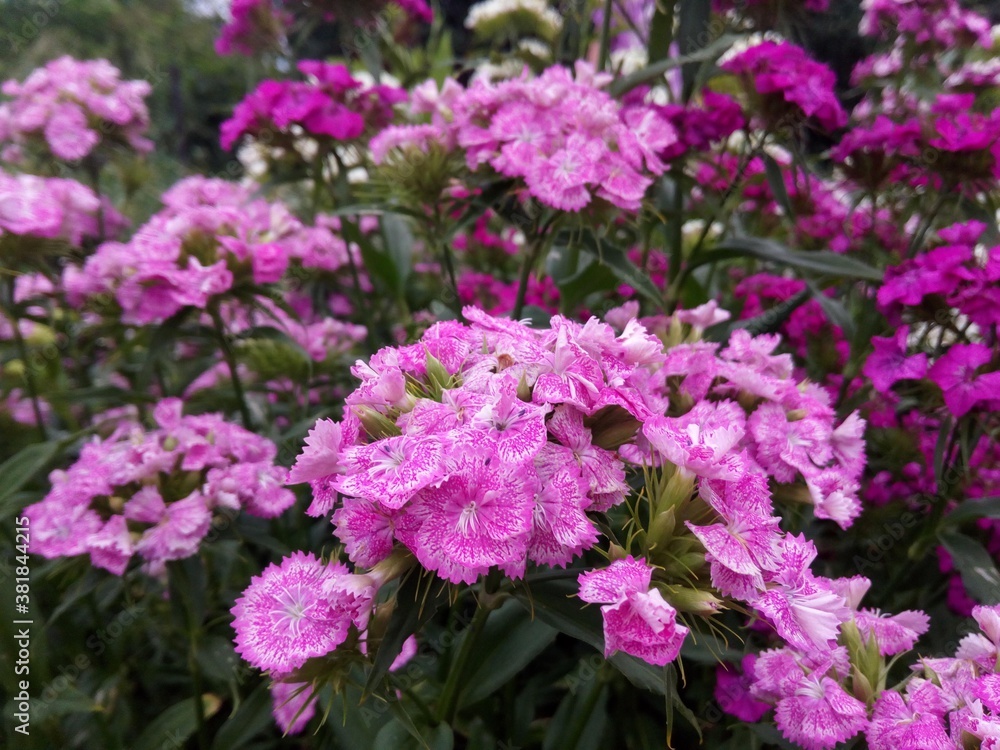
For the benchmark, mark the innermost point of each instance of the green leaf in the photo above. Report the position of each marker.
(555, 603)
(20, 469)
(818, 261)
(939, 454)
(692, 35)
(972, 509)
(592, 278)
(661, 30)
(776, 181)
(510, 641)
(174, 726)
(412, 611)
(379, 264)
(398, 245)
(656, 70)
(975, 564)
(250, 719)
(616, 260)
(589, 706)
(835, 311)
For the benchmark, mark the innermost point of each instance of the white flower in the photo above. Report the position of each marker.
(485, 13)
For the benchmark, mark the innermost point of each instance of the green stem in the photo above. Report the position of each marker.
(234, 376)
(583, 716)
(199, 705)
(450, 695)
(522, 285)
(605, 36)
(22, 352)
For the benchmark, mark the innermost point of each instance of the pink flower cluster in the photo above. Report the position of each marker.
(211, 237)
(153, 493)
(787, 432)
(788, 80)
(944, 145)
(964, 280)
(821, 699)
(331, 105)
(485, 460)
(72, 107)
(564, 137)
(943, 24)
(53, 208)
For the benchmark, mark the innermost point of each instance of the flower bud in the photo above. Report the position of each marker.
(695, 601)
(376, 424)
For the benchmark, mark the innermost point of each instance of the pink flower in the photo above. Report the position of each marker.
(517, 427)
(637, 620)
(286, 616)
(479, 517)
(392, 470)
(701, 442)
(889, 363)
(916, 722)
(820, 713)
(955, 373)
(294, 704)
(732, 691)
(72, 106)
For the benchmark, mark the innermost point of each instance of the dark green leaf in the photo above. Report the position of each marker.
(412, 610)
(580, 720)
(173, 727)
(20, 469)
(940, 458)
(776, 181)
(656, 70)
(818, 261)
(398, 244)
(693, 34)
(626, 271)
(973, 509)
(378, 263)
(250, 719)
(592, 278)
(835, 311)
(975, 564)
(661, 30)
(509, 642)
(555, 603)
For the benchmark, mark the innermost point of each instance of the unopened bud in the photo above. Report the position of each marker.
(376, 424)
(695, 601)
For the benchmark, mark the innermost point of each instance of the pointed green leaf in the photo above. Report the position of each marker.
(975, 564)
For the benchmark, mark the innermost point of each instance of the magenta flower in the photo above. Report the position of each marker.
(479, 517)
(785, 72)
(293, 705)
(820, 713)
(955, 373)
(916, 721)
(637, 620)
(392, 470)
(285, 617)
(701, 442)
(889, 364)
(732, 691)
(70, 106)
